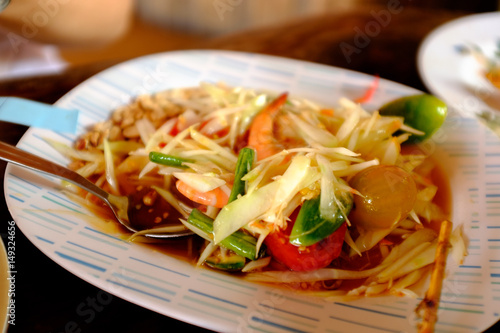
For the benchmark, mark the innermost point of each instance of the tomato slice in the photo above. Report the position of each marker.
(308, 258)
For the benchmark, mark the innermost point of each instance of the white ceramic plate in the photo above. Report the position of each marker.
(469, 153)
(457, 77)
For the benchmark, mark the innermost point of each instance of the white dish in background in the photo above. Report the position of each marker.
(220, 302)
(457, 78)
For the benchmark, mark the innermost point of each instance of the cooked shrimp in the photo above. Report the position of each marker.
(217, 197)
(261, 136)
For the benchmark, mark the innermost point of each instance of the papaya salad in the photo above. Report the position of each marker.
(278, 188)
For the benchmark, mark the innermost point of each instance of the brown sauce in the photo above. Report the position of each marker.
(443, 196)
(189, 248)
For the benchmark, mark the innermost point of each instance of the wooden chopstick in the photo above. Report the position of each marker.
(428, 307)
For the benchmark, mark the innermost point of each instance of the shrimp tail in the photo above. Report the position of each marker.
(261, 136)
(217, 197)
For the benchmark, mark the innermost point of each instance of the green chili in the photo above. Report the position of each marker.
(168, 160)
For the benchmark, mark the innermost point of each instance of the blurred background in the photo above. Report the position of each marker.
(302, 29)
(162, 25)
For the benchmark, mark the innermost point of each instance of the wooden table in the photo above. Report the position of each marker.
(48, 297)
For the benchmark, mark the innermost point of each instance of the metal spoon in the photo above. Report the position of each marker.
(118, 204)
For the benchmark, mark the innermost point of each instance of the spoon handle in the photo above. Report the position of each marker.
(25, 159)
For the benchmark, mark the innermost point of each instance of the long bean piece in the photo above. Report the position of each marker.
(243, 166)
(239, 242)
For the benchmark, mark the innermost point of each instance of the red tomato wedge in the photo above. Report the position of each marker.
(307, 258)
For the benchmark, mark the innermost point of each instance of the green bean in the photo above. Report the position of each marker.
(239, 242)
(243, 166)
(232, 262)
